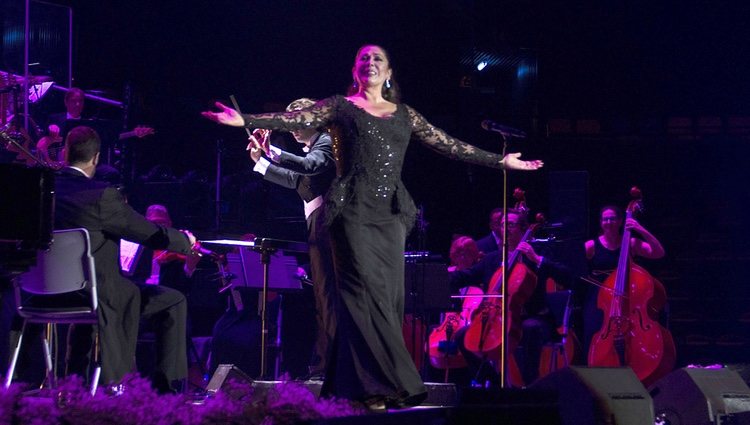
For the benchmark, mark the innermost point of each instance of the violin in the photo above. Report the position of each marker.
(631, 299)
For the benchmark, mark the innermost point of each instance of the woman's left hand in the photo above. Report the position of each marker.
(512, 162)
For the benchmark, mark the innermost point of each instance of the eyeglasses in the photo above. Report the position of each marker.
(608, 219)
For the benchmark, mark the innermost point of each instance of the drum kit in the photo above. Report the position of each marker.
(14, 134)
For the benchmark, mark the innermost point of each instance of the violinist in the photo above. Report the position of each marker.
(603, 253)
(169, 268)
(537, 321)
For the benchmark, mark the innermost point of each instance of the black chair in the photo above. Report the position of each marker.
(560, 304)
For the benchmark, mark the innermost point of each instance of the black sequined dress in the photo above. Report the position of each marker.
(369, 212)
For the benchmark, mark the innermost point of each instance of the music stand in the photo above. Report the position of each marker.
(265, 247)
(282, 270)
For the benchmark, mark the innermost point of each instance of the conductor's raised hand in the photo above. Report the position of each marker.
(263, 136)
(225, 115)
(512, 161)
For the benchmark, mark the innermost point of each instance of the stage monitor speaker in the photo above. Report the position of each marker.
(26, 205)
(599, 395)
(695, 396)
(569, 202)
(224, 374)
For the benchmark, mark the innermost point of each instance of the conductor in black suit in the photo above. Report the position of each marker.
(311, 175)
(102, 210)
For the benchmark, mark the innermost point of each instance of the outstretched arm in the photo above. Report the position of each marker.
(439, 141)
(317, 115)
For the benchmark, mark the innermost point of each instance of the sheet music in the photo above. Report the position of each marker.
(247, 270)
(129, 254)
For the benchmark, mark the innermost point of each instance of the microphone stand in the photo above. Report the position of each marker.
(217, 199)
(504, 286)
(418, 291)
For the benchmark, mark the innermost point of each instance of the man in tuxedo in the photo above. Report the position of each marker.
(102, 210)
(494, 240)
(311, 175)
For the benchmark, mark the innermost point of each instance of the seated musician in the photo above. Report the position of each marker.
(50, 148)
(537, 321)
(170, 269)
(98, 207)
(602, 255)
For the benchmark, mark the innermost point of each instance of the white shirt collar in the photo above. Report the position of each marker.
(79, 170)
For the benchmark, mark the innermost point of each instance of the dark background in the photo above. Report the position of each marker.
(629, 66)
(649, 93)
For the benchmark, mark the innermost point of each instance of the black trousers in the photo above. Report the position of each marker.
(324, 289)
(165, 308)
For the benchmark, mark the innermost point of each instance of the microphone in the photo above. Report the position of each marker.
(490, 125)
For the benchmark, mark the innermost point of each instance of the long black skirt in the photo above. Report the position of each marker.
(369, 356)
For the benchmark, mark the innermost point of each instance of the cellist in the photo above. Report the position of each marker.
(603, 253)
(537, 322)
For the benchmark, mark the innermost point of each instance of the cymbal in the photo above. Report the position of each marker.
(9, 79)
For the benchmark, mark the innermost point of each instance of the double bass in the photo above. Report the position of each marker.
(484, 336)
(631, 299)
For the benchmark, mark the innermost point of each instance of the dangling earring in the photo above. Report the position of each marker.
(388, 83)
(355, 85)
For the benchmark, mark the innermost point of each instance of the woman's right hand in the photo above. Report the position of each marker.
(512, 161)
(226, 116)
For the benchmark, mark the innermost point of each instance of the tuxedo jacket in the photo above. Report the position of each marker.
(487, 244)
(311, 175)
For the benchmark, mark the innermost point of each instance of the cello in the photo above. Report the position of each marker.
(631, 299)
(484, 336)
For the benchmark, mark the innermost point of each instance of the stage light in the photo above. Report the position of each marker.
(481, 65)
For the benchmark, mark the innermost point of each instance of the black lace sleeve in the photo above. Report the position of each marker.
(439, 141)
(318, 116)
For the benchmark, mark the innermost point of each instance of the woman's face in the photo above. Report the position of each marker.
(610, 221)
(371, 67)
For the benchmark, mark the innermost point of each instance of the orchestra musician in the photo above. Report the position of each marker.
(493, 241)
(603, 253)
(50, 148)
(81, 201)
